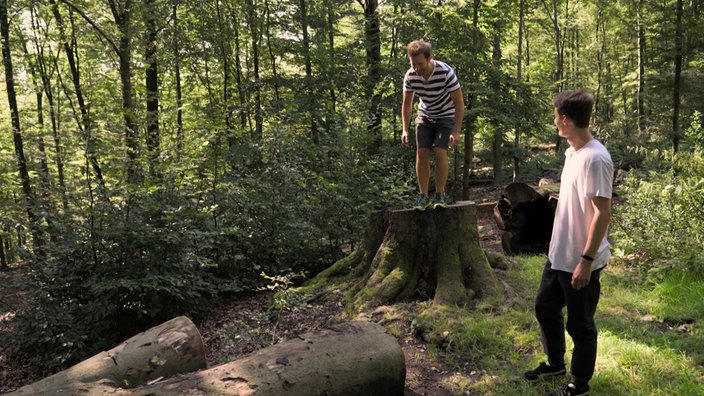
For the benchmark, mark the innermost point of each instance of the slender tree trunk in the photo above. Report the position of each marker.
(559, 48)
(310, 92)
(559, 56)
(255, 31)
(640, 97)
(332, 72)
(224, 46)
(16, 129)
(152, 86)
(122, 14)
(601, 42)
(372, 39)
(241, 92)
(498, 128)
(85, 123)
(676, 103)
(519, 77)
(3, 258)
(177, 76)
(468, 124)
(33, 64)
(46, 77)
(272, 56)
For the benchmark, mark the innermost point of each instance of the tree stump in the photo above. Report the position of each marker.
(172, 347)
(526, 217)
(350, 359)
(432, 254)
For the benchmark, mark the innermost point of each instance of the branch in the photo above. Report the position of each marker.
(95, 26)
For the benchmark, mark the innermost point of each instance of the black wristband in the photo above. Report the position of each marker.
(587, 257)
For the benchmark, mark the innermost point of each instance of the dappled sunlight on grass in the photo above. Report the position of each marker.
(623, 363)
(638, 353)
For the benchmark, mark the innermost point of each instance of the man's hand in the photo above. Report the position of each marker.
(404, 139)
(582, 274)
(454, 139)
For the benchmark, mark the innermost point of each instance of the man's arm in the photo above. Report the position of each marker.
(458, 99)
(597, 233)
(406, 111)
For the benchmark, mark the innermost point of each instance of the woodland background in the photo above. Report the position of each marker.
(156, 155)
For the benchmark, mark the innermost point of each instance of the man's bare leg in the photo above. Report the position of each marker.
(441, 170)
(423, 169)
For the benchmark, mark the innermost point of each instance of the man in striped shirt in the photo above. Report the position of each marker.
(440, 114)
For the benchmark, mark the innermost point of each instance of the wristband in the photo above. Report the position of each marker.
(587, 257)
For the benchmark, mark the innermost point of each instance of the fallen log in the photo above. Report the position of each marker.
(170, 348)
(350, 359)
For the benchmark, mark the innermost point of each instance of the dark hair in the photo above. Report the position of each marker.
(576, 104)
(419, 47)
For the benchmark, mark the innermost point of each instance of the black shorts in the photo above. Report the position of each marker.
(434, 132)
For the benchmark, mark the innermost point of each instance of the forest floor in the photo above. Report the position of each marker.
(243, 325)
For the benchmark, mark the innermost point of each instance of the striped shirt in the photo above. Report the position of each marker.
(434, 93)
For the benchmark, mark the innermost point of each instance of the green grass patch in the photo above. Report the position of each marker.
(650, 339)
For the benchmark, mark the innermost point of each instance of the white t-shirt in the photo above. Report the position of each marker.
(588, 172)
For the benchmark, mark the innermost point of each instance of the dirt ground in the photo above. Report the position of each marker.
(244, 325)
(425, 371)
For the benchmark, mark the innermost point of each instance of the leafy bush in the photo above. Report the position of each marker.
(103, 284)
(661, 220)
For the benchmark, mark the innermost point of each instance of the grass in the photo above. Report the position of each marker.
(651, 338)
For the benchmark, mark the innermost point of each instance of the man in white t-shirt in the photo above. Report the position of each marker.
(579, 249)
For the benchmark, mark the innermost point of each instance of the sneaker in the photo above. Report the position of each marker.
(422, 203)
(570, 389)
(439, 201)
(544, 371)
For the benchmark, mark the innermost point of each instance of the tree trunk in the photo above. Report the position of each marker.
(85, 123)
(640, 97)
(21, 159)
(151, 83)
(372, 39)
(676, 103)
(433, 254)
(172, 347)
(351, 359)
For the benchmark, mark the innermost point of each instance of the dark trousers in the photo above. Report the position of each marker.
(555, 293)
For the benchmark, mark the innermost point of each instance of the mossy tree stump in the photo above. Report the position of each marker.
(432, 254)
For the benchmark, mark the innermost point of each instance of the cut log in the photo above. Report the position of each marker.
(170, 348)
(350, 359)
(432, 254)
(526, 217)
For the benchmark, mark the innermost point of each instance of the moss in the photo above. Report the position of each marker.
(342, 270)
(450, 288)
(500, 261)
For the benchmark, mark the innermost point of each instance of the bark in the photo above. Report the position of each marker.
(172, 347)
(151, 83)
(676, 103)
(372, 38)
(433, 254)
(640, 97)
(470, 117)
(20, 157)
(350, 359)
(85, 123)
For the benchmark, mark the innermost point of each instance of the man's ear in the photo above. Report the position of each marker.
(565, 120)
